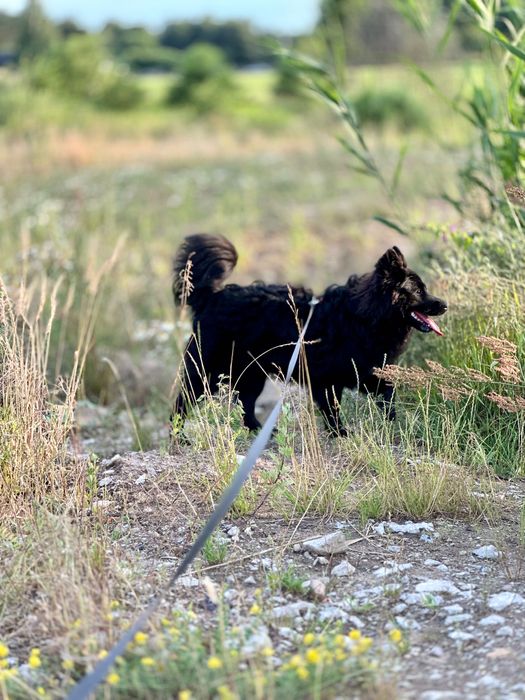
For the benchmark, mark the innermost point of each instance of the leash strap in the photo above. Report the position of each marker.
(89, 682)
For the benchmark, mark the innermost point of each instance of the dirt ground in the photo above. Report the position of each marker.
(462, 608)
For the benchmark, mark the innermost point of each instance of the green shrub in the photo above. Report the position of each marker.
(391, 106)
(205, 80)
(79, 67)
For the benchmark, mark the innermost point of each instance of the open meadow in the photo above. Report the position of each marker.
(418, 590)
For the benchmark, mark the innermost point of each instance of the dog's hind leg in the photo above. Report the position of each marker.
(250, 387)
(384, 394)
(328, 398)
(193, 380)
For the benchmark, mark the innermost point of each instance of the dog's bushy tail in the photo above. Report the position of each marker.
(201, 265)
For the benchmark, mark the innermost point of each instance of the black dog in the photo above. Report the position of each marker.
(247, 333)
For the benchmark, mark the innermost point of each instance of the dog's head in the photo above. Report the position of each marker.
(408, 293)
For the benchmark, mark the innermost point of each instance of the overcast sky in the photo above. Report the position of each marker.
(286, 16)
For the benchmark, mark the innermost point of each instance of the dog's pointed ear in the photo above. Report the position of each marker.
(392, 263)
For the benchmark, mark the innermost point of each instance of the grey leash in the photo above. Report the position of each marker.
(89, 683)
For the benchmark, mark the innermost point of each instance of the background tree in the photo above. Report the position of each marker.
(36, 33)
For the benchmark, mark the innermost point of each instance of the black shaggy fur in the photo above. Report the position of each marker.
(247, 333)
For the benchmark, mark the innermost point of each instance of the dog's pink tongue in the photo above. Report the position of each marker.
(430, 322)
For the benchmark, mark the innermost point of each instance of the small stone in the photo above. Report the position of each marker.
(407, 623)
(141, 479)
(386, 571)
(257, 640)
(394, 548)
(505, 631)
(408, 528)
(492, 620)
(500, 601)
(453, 609)
(489, 681)
(234, 532)
(399, 608)
(330, 613)
(437, 586)
(333, 543)
(315, 588)
(297, 547)
(321, 561)
(441, 695)
(106, 481)
(454, 619)
(436, 651)
(287, 632)
(291, 610)
(250, 581)
(189, 581)
(487, 552)
(460, 636)
(344, 568)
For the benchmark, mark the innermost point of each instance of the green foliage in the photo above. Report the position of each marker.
(238, 41)
(78, 68)
(380, 108)
(36, 33)
(205, 80)
(215, 550)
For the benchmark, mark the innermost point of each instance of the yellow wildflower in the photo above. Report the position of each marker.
(396, 636)
(354, 635)
(214, 662)
(102, 654)
(302, 673)
(313, 656)
(225, 693)
(267, 651)
(148, 661)
(255, 609)
(41, 691)
(114, 604)
(141, 638)
(4, 650)
(34, 661)
(309, 638)
(68, 664)
(340, 640)
(4, 663)
(185, 695)
(113, 678)
(296, 661)
(362, 646)
(340, 655)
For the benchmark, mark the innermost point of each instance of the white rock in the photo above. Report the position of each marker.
(234, 532)
(315, 587)
(500, 601)
(386, 571)
(492, 620)
(454, 619)
(441, 695)
(141, 479)
(505, 631)
(408, 528)
(321, 561)
(460, 636)
(489, 681)
(436, 651)
(437, 586)
(487, 552)
(291, 610)
(101, 504)
(453, 609)
(106, 481)
(297, 547)
(330, 613)
(333, 543)
(257, 640)
(344, 568)
(250, 581)
(188, 581)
